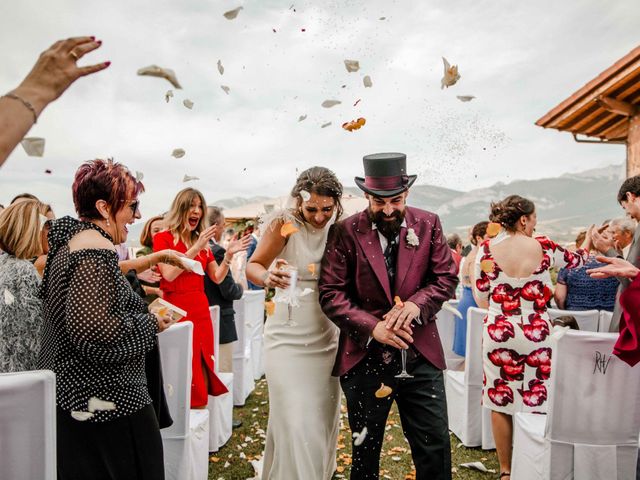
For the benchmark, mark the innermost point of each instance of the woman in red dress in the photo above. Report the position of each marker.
(186, 233)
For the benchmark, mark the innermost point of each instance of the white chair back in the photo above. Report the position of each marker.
(446, 330)
(473, 363)
(243, 342)
(176, 351)
(587, 320)
(215, 323)
(605, 321)
(594, 396)
(28, 425)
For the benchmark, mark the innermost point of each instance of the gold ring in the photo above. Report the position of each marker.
(74, 55)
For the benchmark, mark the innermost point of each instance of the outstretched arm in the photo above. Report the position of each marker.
(52, 74)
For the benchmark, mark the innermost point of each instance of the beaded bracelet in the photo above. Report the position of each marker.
(24, 102)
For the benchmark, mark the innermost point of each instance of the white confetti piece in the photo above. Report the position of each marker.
(352, 65)
(231, 14)
(465, 98)
(220, 67)
(81, 416)
(169, 390)
(188, 178)
(187, 103)
(156, 71)
(396, 459)
(227, 464)
(178, 153)
(168, 95)
(331, 103)
(306, 196)
(475, 466)
(367, 81)
(33, 146)
(8, 297)
(139, 176)
(225, 88)
(359, 437)
(302, 117)
(325, 125)
(97, 404)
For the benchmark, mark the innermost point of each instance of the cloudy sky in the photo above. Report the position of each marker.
(519, 59)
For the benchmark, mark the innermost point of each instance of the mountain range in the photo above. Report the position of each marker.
(565, 204)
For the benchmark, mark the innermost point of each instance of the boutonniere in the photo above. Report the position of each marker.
(412, 238)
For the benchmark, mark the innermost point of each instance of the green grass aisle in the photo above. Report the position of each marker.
(232, 462)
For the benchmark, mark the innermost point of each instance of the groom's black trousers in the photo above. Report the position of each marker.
(423, 411)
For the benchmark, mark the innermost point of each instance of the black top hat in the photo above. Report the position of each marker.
(385, 174)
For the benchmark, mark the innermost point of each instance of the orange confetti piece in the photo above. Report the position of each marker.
(493, 229)
(383, 391)
(354, 124)
(312, 268)
(214, 459)
(288, 229)
(487, 266)
(270, 307)
(398, 302)
(339, 469)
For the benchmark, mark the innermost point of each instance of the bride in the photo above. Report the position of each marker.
(300, 342)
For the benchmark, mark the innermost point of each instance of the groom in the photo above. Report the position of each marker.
(390, 250)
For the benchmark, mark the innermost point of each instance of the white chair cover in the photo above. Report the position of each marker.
(605, 321)
(28, 425)
(220, 407)
(594, 411)
(587, 320)
(243, 382)
(464, 389)
(254, 318)
(188, 437)
(446, 329)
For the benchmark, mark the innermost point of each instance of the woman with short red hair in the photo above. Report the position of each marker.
(96, 334)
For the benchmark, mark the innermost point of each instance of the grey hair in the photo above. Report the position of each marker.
(623, 224)
(214, 214)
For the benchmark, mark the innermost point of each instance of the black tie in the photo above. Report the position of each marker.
(390, 257)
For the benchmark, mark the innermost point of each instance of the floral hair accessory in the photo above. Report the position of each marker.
(412, 238)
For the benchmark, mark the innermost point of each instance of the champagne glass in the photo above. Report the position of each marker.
(404, 373)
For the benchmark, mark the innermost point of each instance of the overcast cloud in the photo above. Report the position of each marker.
(519, 59)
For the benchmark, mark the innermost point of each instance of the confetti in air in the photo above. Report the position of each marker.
(156, 71)
(231, 14)
(33, 146)
(451, 75)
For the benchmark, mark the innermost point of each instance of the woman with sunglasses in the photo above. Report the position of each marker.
(96, 333)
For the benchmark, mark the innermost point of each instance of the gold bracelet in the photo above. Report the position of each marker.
(24, 102)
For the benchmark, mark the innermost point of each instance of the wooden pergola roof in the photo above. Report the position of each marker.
(602, 107)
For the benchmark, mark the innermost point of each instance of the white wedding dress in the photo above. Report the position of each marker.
(300, 345)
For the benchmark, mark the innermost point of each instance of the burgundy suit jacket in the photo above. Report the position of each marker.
(354, 284)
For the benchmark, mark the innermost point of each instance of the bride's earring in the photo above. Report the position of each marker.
(108, 224)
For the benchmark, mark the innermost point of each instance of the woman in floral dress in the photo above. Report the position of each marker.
(513, 282)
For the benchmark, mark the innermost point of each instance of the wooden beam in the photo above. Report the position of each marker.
(619, 131)
(633, 146)
(616, 106)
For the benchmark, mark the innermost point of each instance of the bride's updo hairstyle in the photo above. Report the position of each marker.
(321, 181)
(508, 212)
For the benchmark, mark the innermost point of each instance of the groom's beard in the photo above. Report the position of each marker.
(389, 228)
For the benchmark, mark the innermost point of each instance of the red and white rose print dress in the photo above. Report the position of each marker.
(515, 342)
